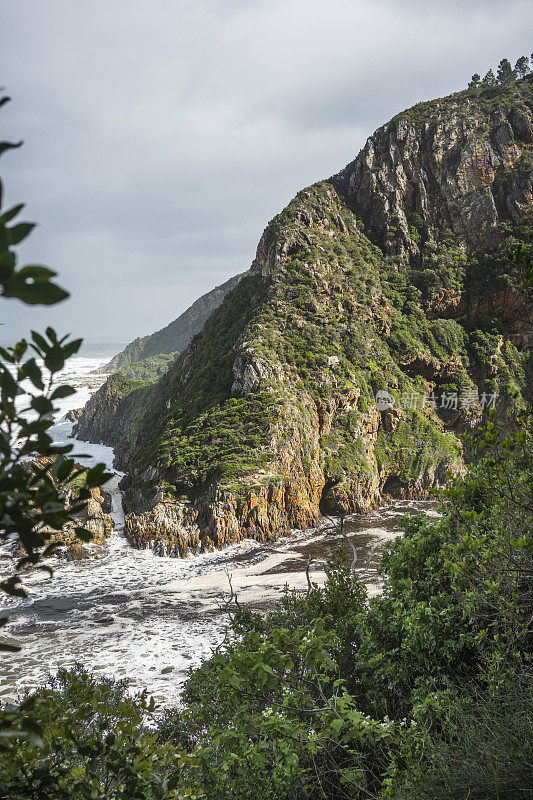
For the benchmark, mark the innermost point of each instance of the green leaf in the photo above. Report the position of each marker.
(36, 272)
(50, 548)
(30, 370)
(40, 341)
(8, 384)
(97, 476)
(65, 448)
(72, 347)
(32, 559)
(28, 703)
(63, 467)
(13, 587)
(19, 232)
(38, 293)
(62, 392)
(4, 240)
(54, 359)
(7, 216)
(42, 405)
(20, 348)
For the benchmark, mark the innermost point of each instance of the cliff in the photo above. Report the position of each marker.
(170, 340)
(393, 276)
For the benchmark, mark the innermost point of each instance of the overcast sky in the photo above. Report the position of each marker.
(162, 135)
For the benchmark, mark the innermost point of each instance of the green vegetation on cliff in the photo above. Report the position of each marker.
(394, 275)
(207, 434)
(149, 369)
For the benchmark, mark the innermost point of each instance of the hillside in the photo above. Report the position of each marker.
(394, 275)
(152, 355)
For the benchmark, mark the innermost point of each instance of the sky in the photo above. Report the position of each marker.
(161, 136)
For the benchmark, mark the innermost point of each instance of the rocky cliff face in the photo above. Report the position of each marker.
(175, 337)
(394, 276)
(450, 163)
(463, 164)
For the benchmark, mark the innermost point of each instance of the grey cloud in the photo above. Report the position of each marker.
(161, 137)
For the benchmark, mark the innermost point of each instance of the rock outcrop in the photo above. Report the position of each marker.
(451, 163)
(73, 414)
(94, 518)
(393, 276)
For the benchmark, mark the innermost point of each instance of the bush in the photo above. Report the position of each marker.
(484, 750)
(96, 745)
